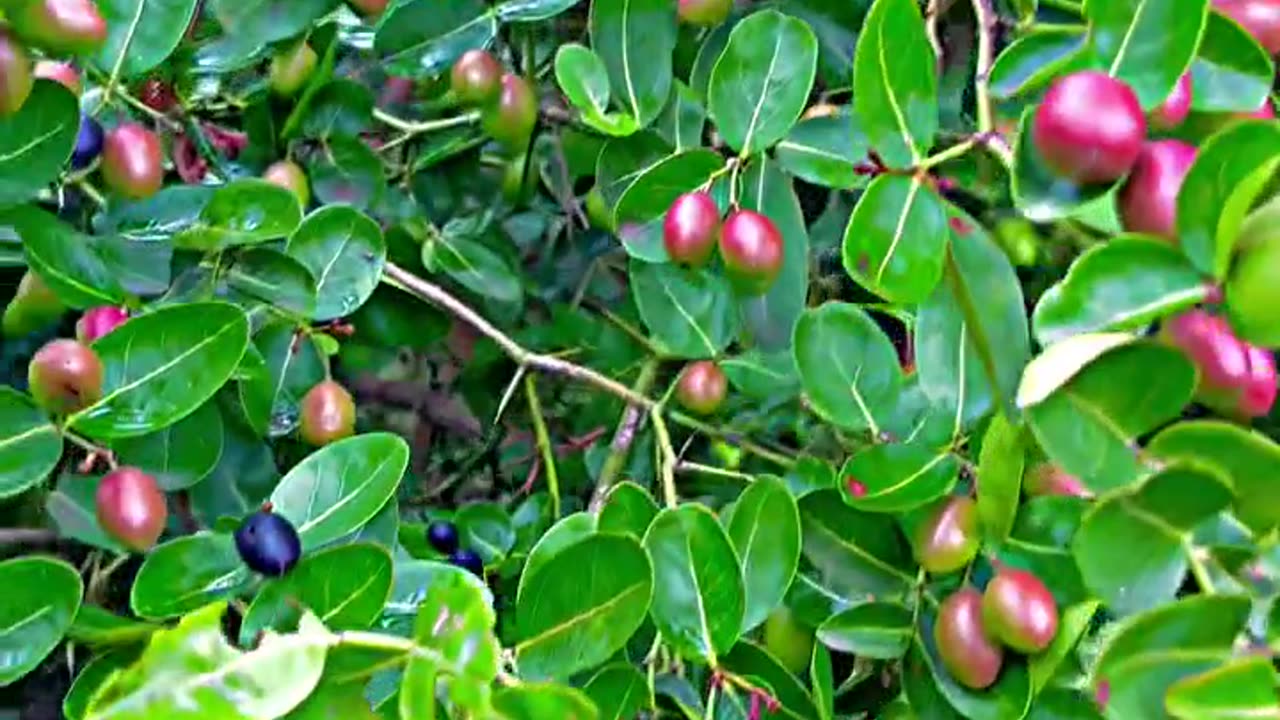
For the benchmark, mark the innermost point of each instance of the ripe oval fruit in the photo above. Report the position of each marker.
(131, 508)
(966, 649)
(65, 376)
(468, 560)
(1236, 378)
(88, 142)
(443, 536)
(948, 540)
(60, 27)
(511, 118)
(33, 307)
(1260, 17)
(702, 387)
(290, 176)
(291, 69)
(1046, 478)
(368, 8)
(787, 640)
(268, 543)
(1089, 127)
(328, 414)
(751, 248)
(99, 321)
(1148, 200)
(59, 72)
(476, 78)
(132, 164)
(1175, 108)
(704, 13)
(158, 95)
(1019, 611)
(16, 78)
(691, 229)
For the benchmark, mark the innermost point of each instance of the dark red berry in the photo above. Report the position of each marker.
(691, 229)
(1148, 200)
(131, 508)
(157, 95)
(1019, 610)
(476, 78)
(967, 651)
(1089, 127)
(65, 376)
(751, 248)
(702, 387)
(132, 162)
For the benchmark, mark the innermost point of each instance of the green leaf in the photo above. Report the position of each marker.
(1010, 697)
(1039, 193)
(339, 107)
(1062, 361)
(186, 574)
(1231, 72)
(345, 586)
(348, 172)
(162, 366)
(769, 319)
(1122, 284)
(91, 677)
(344, 251)
(1150, 652)
(635, 39)
(880, 630)
(423, 37)
(73, 510)
(762, 80)
(896, 477)
(97, 627)
(895, 90)
(700, 609)
(569, 627)
(1074, 621)
(1247, 458)
(1152, 522)
(765, 531)
(1147, 44)
(682, 119)
(521, 11)
(1242, 688)
(242, 212)
(822, 682)
(270, 276)
(761, 375)
(584, 80)
(647, 197)
(30, 445)
(41, 600)
(67, 260)
(896, 239)
(190, 671)
(340, 487)
(750, 660)
(141, 33)
(458, 252)
(487, 529)
(1090, 425)
(628, 508)
(848, 368)
(1229, 172)
(619, 692)
(569, 530)
(689, 312)
(36, 141)
(823, 151)
(1037, 58)
(855, 553)
(535, 701)
(272, 394)
(999, 483)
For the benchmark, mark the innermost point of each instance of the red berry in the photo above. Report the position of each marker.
(131, 508)
(1175, 108)
(16, 78)
(702, 387)
(289, 175)
(157, 95)
(1260, 17)
(751, 248)
(65, 376)
(1089, 127)
(292, 68)
(963, 643)
(476, 78)
(1148, 200)
(1020, 611)
(60, 27)
(1048, 479)
(328, 414)
(1265, 111)
(368, 8)
(511, 118)
(99, 321)
(1236, 378)
(948, 539)
(61, 72)
(691, 228)
(132, 163)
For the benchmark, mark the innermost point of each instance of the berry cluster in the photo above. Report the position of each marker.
(443, 536)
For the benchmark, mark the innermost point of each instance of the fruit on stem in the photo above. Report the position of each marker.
(132, 163)
(157, 94)
(89, 141)
(99, 321)
(291, 69)
(702, 387)
(476, 78)
(1089, 127)
(790, 642)
(60, 27)
(751, 248)
(131, 508)
(33, 307)
(691, 229)
(1236, 379)
(964, 645)
(1175, 108)
(268, 543)
(328, 414)
(1046, 478)
(468, 560)
(16, 79)
(703, 13)
(510, 119)
(1019, 611)
(1148, 200)
(290, 176)
(65, 376)
(1261, 18)
(443, 536)
(948, 540)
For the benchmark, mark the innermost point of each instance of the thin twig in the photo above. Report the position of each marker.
(26, 536)
(667, 457)
(544, 443)
(624, 436)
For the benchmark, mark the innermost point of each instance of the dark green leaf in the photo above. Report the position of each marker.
(73, 510)
(339, 107)
(1147, 45)
(855, 553)
(1231, 73)
(1033, 60)
(749, 659)
(344, 251)
(487, 529)
(471, 263)
(41, 600)
(629, 508)
(186, 574)
(896, 240)
(568, 531)
(635, 38)
(769, 319)
(647, 197)
(65, 259)
(1038, 193)
(763, 376)
(682, 118)
(847, 366)
(91, 676)
(765, 531)
(619, 692)
(30, 445)
(347, 171)
(879, 630)
(180, 455)
(36, 141)
(895, 90)
(896, 477)
(689, 312)
(98, 627)
(423, 37)
(270, 276)
(242, 212)
(141, 33)
(535, 701)
(823, 151)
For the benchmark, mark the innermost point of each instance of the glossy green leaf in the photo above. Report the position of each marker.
(534, 701)
(41, 601)
(162, 366)
(848, 368)
(896, 239)
(270, 276)
(689, 312)
(339, 107)
(855, 553)
(348, 172)
(487, 529)
(344, 251)
(635, 39)
(421, 37)
(584, 80)
(895, 90)
(699, 610)
(186, 574)
(750, 660)
(765, 531)
(619, 692)
(628, 508)
(68, 261)
(823, 151)
(1228, 174)
(36, 141)
(521, 11)
(471, 263)
(141, 33)
(1062, 361)
(1123, 284)
(1245, 687)
(73, 510)
(822, 682)
(769, 319)
(647, 197)
(999, 482)
(1248, 459)
(341, 486)
(30, 445)
(1231, 72)
(682, 119)
(242, 212)
(563, 534)
(92, 676)
(271, 394)
(1072, 624)
(1038, 193)
(879, 630)
(761, 82)
(180, 455)
(1147, 44)
(98, 627)
(1033, 60)
(896, 477)
(762, 375)
(568, 627)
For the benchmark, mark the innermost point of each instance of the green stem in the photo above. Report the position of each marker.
(624, 436)
(950, 153)
(411, 127)
(687, 466)
(667, 455)
(544, 444)
(1199, 570)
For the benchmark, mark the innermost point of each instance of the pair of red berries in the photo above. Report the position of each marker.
(1237, 379)
(750, 244)
(508, 103)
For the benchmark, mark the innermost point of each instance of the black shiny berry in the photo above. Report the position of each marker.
(268, 543)
(468, 560)
(88, 143)
(443, 536)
